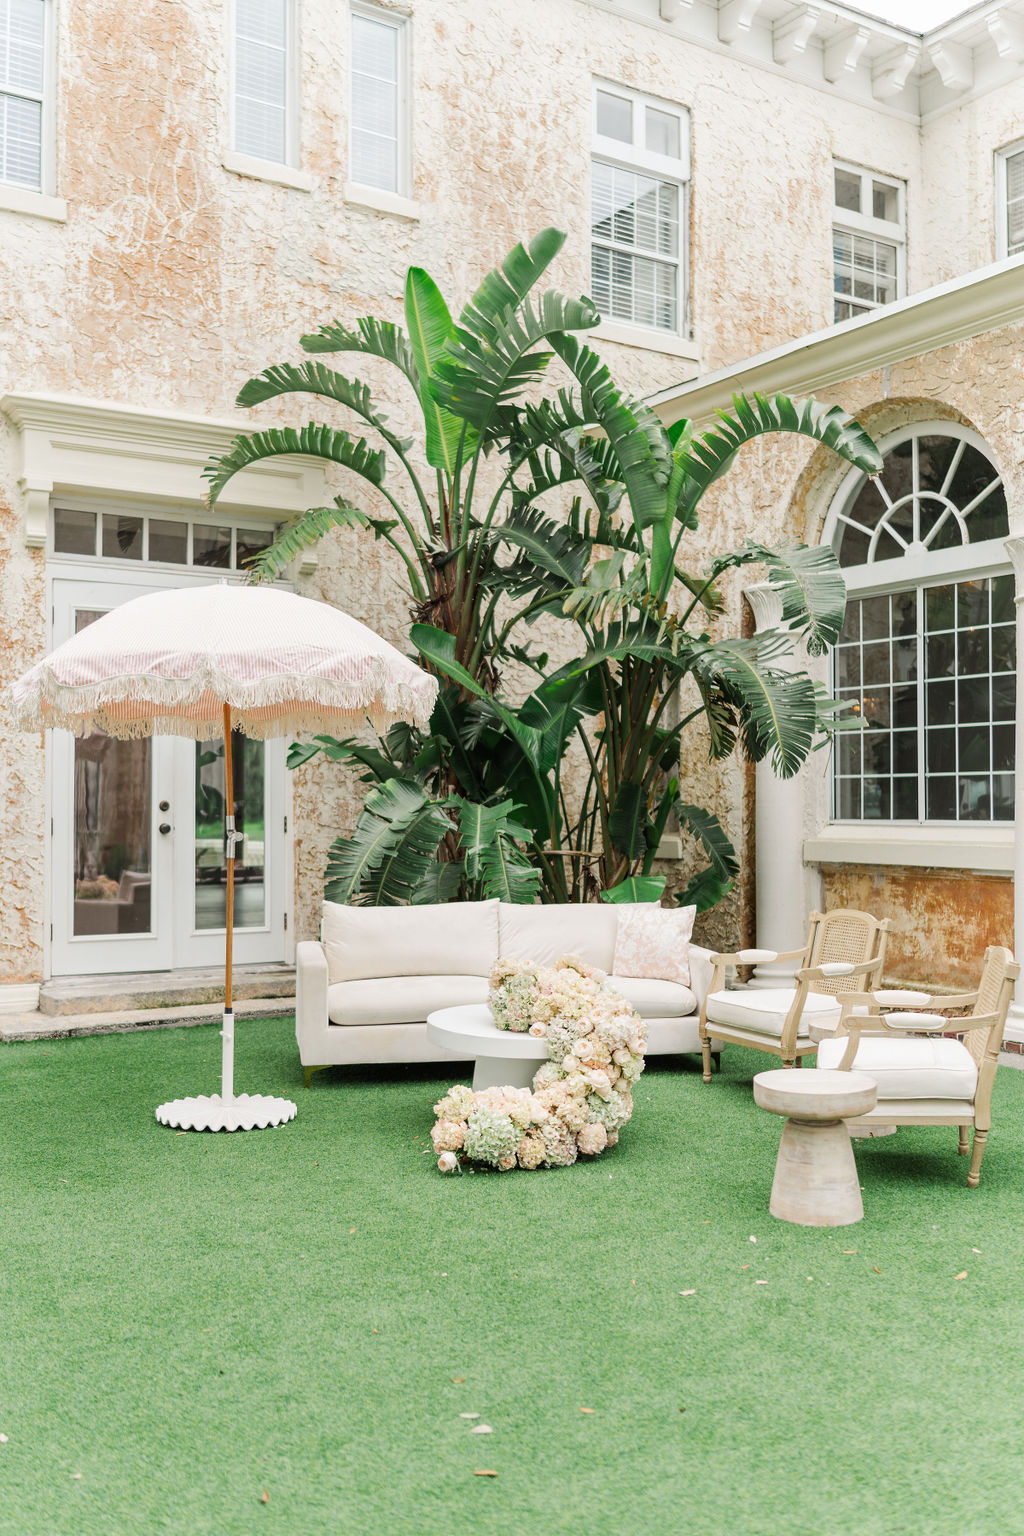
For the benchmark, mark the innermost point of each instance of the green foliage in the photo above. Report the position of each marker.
(479, 805)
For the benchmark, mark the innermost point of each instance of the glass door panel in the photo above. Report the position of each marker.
(109, 865)
(247, 772)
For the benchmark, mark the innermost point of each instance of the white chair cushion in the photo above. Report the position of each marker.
(540, 935)
(457, 938)
(654, 999)
(764, 1010)
(932, 1068)
(400, 999)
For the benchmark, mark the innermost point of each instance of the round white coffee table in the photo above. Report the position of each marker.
(816, 1182)
(500, 1055)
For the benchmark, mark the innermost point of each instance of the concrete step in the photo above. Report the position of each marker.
(135, 992)
(44, 1026)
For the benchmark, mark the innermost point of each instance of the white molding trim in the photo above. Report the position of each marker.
(19, 997)
(384, 202)
(966, 307)
(91, 447)
(980, 849)
(36, 204)
(267, 170)
(647, 339)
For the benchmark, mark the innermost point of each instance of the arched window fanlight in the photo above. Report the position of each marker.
(936, 491)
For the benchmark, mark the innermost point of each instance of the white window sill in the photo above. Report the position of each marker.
(984, 850)
(268, 170)
(383, 202)
(20, 200)
(647, 338)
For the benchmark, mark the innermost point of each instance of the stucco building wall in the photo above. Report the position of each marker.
(173, 279)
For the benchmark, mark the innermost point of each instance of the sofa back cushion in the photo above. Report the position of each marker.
(540, 935)
(455, 938)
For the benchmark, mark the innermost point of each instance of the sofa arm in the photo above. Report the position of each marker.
(310, 994)
(702, 965)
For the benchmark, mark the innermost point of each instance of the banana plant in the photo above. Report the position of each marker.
(644, 616)
(466, 376)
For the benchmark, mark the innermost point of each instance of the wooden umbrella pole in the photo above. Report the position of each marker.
(227, 1091)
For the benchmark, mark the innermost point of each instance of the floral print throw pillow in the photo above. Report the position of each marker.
(654, 942)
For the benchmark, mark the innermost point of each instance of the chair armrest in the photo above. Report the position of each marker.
(832, 969)
(758, 956)
(310, 992)
(702, 969)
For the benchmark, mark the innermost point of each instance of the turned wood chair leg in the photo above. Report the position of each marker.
(963, 1148)
(705, 1051)
(977, 1153)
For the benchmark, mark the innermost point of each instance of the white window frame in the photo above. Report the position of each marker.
(915, 571)
(400, 24)
(1003, 156)
(633, 157)
(891, 232)
(14, 194)
(254, 165)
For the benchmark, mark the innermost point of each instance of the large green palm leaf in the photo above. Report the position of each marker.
(316, 441)
(373, 337)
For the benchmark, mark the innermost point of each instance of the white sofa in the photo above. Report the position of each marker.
(364, 991)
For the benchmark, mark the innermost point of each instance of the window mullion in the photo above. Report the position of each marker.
(922, 787)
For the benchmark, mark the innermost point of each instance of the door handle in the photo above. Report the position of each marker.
(164, 827)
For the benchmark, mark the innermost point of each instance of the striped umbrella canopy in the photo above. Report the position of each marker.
(196, 661)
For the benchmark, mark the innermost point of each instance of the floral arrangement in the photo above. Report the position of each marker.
(581, 1096)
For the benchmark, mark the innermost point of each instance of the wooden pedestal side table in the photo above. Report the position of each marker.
(816, 1181)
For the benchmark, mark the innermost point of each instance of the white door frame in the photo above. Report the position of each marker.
(174, 942)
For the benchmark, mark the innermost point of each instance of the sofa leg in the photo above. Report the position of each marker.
(307, 1072)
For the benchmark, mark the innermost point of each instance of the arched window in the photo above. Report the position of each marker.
(926, 655)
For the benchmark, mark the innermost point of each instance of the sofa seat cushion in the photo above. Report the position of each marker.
(542, 934)
(456, 938)
(930, 1068)
(764, 1010)
(400, 999)
(654, 999)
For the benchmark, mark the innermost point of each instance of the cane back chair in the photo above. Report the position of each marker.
(929, 1078)
(845, 950)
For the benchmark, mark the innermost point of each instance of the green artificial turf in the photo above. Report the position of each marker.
(191, 1321)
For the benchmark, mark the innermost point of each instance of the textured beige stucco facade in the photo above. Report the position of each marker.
(173, 279)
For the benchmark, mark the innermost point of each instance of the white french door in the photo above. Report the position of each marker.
(137, 868)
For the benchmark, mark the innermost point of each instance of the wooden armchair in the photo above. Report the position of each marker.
(934, 1080)
(845, 949)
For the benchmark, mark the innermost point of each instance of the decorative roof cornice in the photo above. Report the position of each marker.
(840, 49)
(967, 306)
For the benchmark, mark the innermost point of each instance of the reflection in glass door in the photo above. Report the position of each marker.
(247, 770)
(112, 829)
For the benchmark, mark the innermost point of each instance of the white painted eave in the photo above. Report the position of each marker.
(967, 306)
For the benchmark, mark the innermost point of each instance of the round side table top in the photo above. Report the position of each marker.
(471, 1030)
(815, 1093)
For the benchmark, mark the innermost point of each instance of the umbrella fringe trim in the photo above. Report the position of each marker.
(43, 703)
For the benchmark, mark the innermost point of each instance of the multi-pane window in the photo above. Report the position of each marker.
(867, 241)
(1010, 200)
(378, 147)
(23, 86)
(638, 204)
(159, 539)
(926, 659)
(263, 87)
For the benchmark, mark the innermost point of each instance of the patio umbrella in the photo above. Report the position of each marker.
(196, 661)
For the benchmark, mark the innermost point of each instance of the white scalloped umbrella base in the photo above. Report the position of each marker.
(245, 1112)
